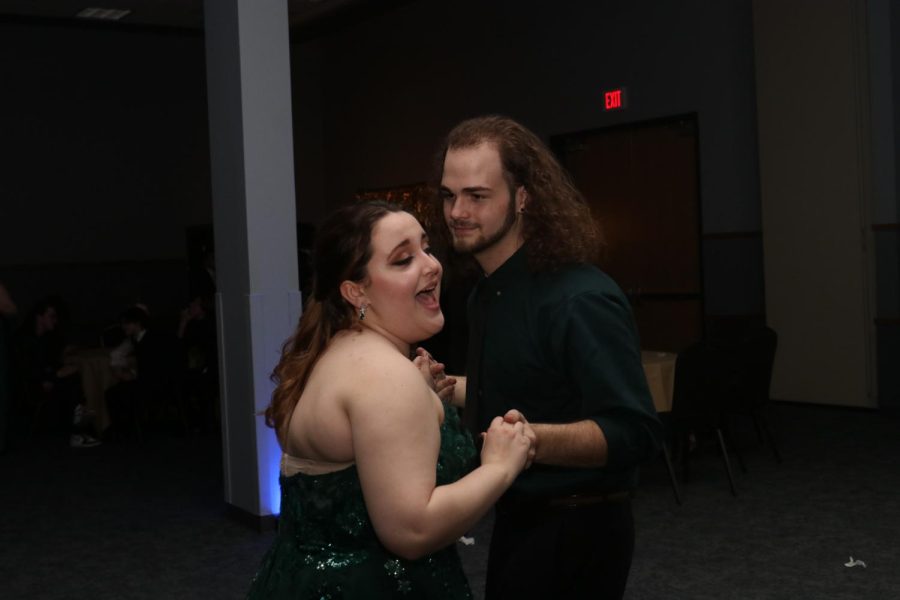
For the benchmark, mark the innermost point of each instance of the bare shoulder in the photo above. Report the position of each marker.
(366, 368)
(360, 385)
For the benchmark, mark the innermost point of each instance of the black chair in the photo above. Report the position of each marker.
(701, 373)
(667, 458)
(157, 397)
(748, 392)
(166, 401)
(53, 410)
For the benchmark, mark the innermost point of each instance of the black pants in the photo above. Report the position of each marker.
(126, 403)
(58, 403)
(544, 551)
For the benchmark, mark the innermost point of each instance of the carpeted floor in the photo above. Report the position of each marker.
(792, 526)
(147, 521)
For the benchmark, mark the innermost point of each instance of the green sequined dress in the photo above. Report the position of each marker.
(326, 547)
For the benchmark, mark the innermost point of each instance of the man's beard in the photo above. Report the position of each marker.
(483, 243)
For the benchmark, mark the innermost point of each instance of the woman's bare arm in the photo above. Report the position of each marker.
(394, 420)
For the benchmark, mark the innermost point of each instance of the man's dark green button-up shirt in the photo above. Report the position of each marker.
(562, 347)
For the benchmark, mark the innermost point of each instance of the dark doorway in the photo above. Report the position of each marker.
(642, 183)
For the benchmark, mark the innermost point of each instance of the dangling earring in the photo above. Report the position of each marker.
(362, 312)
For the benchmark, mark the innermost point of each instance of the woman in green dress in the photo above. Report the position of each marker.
(375, 489)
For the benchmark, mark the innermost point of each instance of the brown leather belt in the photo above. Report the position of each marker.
(565, 501)
(576, 500)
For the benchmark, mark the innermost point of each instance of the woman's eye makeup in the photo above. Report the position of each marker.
(406, 259)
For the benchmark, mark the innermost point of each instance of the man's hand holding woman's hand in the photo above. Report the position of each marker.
(505, 439)
(434, 375)
(506, 445)
(514, 416)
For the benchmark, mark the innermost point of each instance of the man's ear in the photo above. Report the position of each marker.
(354, 294)
(521, 199)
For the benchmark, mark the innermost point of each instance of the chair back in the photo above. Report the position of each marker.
(755, 359)
(701, 375)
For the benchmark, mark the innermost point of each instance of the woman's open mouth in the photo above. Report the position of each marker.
(428, 298)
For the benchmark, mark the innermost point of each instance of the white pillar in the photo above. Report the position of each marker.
(254, 214)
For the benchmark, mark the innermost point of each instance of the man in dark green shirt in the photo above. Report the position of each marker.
(552, 343)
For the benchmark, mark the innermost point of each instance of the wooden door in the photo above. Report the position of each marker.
(641, 182)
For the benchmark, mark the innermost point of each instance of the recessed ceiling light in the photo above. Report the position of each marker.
(107, 14)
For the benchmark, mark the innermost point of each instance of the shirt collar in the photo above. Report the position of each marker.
(513, 269)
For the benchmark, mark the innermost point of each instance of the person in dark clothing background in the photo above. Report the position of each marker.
(197, 333)
(148, 381)
(552, 344)
(49, 380)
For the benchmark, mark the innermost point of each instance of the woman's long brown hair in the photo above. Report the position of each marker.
(343, 248)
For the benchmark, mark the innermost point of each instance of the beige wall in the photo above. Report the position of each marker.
(812, 95)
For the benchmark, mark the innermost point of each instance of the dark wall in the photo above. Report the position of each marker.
(887, 249)
(106, 163)
(108, 129)
(309, 166)
(392, 87)
(110, 138)
(895, 69)
(107, 146)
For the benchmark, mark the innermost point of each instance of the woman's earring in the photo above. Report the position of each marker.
(362, 312)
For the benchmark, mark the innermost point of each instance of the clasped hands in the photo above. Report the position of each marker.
(433, 371)
(444, 386)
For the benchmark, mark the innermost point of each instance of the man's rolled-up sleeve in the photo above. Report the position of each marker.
(594, 335)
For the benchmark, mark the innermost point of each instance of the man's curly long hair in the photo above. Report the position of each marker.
(342, 250)
(557, 226)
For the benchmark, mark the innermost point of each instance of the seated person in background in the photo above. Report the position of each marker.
(121, 357)
(202, 278)
(197, 332)
(48, 380)
(144, 379)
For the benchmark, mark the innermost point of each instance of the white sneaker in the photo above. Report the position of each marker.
(78, 440)
(90, 440)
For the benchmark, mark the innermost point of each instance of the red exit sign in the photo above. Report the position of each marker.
(614, 99)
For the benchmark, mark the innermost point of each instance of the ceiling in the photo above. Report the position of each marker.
(185, 14)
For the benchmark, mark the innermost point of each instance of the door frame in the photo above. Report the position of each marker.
(558, 144)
